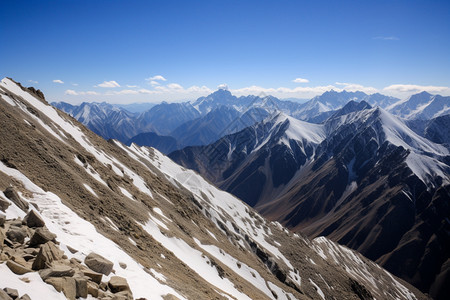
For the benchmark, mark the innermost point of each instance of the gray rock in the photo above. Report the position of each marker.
(2, 218)
(13, 293)
(95, 276)
(33, 219)
(4, 295)
(41, 236)
(4, 204)
(17, 268)
(118, 284)
(12, 195)
(16, 234)
(81, 285)
(98, 263)
(67, 285)
(57, 271)
(46, 256)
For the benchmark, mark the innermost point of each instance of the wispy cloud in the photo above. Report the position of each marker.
(386, 38)
(108, 84)
(222, 86)
(33, 81)
(413, 88)
(131, 86)
(154, 82)
(300, 80)
(75, 84)
(58, 81)
(75, 93)
(156, 78)
(353, 87)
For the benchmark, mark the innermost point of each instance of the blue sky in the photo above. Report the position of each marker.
(135, 51)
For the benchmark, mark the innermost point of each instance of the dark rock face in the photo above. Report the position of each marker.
(12, 195)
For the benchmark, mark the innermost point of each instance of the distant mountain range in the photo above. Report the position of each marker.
(362, 178)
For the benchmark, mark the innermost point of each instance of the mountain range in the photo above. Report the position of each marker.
(82, 215)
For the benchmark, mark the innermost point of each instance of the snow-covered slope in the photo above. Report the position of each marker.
(166, 230)
(422, 106)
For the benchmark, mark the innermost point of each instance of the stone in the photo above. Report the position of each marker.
(25, 297)
(2, 238)
(96, 277)
(67, 285)
(4, 295)
(17, 268)
(57, 271)
(98, 263)
(124, 295)
(72, 250)
(16, 234)
(123, 265)
(4, 204)
(92, 288)
(118, 284)
(33, 219)
(81, 287)
(13, 293)
(46, 256)
(12, 195)
(2, 218)
(41, 236)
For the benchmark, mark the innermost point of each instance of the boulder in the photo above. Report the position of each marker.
(118, 284)
(4, 204)
(92, 288)
(2, 218)
(57, 271)
(124, 295)
(16, 234)
(13, 293)
(41, 236)
(67, 285)
(46, 256)
(81, 287)
(98, 263)
(24, 297)
(4, 295)
(123, 265)
(96, 277)
(33, 219)
(12, 195)
(17, 268)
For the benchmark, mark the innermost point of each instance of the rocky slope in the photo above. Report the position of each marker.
(166, 231)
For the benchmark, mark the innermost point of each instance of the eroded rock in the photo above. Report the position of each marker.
(33, 219)
(98, 263)
(17, 268)
(46, 256)
(12, 195)
(41, 236)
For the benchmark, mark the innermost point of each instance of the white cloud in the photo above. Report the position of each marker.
(404, 90)
(75, 84)
(300, 80)
(91, 93)
(156, 78)
(131, 86)
(58, 81)
(386, 38)
(33, 81)
(70, 92)
(175, 86)
(153, 82)
(222, 86)
(353, 87)
(108, 84)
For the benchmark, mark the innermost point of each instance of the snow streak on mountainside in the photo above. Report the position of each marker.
(423, 106)
(164, 228)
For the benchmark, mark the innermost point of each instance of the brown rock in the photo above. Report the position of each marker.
(96, 277)
(46, 256)
(81, 285)
(92, 288)
(13, 293)
(2, 217)
(4, 204)
(57, 271)
(41, 236)
(123, 265)
(4, 295)
(12, 195)
(98, 263)
(24, 297)
(16, 234)
(2, 238)
(118, 284)
(65, 284)
(33, 219)
(17, 268)
(124, 295)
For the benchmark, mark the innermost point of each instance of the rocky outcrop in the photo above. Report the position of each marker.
(12, 195)
(98, 263)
